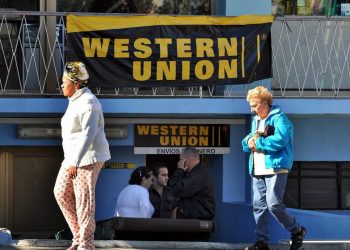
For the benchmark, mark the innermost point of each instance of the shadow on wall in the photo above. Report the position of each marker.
(235, 224)
(319, 225)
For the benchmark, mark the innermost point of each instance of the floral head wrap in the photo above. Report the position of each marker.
(76, 71)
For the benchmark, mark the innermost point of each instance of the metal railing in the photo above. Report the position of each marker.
(310, 56)
(31, 53)
(310, 59)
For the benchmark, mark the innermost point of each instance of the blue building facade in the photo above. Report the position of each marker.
(321, 142)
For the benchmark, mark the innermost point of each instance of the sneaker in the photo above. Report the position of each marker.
(259, 245)
(297, 239)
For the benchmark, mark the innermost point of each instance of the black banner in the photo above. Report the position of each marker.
(172, 138)
(149, 51)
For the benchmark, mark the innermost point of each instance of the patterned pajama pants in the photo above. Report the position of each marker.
(76, 199)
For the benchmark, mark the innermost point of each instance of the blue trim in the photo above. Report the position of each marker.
(211, 107)
(12, 107)
(193, 106)
(314, 106)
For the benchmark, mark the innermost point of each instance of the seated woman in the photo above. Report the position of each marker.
(133, 200)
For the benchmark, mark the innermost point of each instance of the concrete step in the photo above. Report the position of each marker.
(35, 244)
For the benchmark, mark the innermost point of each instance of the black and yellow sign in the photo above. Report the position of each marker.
(148, 51)
(172, 138)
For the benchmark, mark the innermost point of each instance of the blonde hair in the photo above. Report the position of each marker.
(260, 92)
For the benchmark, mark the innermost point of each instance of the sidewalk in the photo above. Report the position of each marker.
(33, 244)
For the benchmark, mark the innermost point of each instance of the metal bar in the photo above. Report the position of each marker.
(309, 61)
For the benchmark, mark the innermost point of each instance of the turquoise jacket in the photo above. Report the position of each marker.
(278, 148)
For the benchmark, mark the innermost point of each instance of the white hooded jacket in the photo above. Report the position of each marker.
(84, 140)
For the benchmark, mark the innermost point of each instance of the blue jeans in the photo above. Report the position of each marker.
(268, 196)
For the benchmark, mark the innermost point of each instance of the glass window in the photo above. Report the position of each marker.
(176, 7)
(318, 185)
(22, 5)
(311, 7)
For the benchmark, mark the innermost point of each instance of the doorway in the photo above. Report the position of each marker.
(33, 212)
(169, 160)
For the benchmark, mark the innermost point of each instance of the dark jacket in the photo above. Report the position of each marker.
(195, 191)
(163, 205)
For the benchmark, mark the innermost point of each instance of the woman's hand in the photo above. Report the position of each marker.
(251, 143)
(72, 172)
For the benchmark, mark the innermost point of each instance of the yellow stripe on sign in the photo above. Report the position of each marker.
(95, 23)
(212, 136)
(242, 58)
(219, 136)
(258, 47)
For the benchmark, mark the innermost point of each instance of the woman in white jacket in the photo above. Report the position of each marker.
(85, 150)
(133, 201)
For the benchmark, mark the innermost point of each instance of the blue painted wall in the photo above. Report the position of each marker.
(129, 141)
(319, 225)
(8, 137)
(111, 181)
(55, 107)
(321, 138)
(200, 107)
(243, 7)
(234, 173)
(235, 223)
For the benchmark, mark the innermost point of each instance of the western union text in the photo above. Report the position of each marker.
(169, 56)
(177, 135)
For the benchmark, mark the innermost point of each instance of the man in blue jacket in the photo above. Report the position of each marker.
(270, 144)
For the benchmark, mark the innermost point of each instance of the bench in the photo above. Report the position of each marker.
(121, 228)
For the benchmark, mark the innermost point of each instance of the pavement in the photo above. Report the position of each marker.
(6, 243)
(35, 244)
(124, 245)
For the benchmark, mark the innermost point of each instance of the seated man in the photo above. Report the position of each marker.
(192, 184)
(161, 196)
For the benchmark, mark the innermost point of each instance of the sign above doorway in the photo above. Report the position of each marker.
(172, 138)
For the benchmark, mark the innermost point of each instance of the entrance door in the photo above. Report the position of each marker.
(35, 213)
(169, 160)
